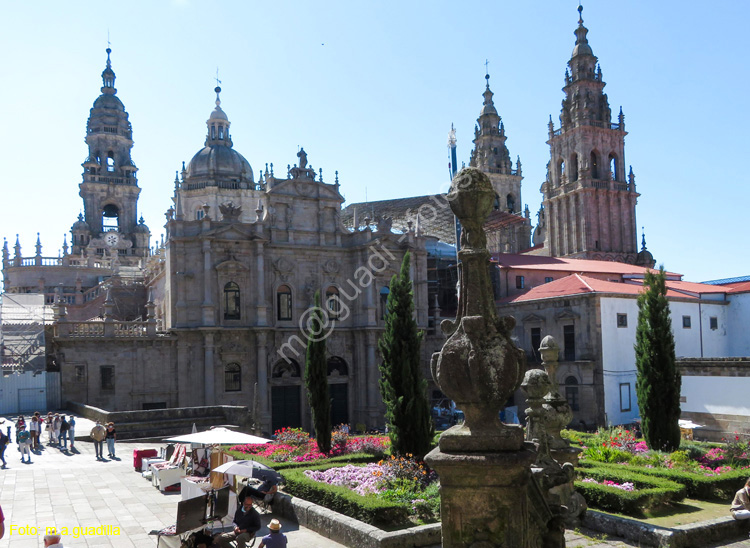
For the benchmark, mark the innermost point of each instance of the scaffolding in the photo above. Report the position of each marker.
(22, 321)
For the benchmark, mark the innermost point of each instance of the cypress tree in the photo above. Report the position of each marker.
(316, 379)
(659, 382)
(402, 385)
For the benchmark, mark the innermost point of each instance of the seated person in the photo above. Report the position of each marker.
(246, 524)
(276, 539)
(264, 492)
(740, 508)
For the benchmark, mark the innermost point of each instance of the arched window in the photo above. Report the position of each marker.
(110, 161)
(560, 170)
(496, 205)
(574, 167)
(337, 366)
(213, 132)
(199, 214)
(110, 217)
(232, 377)
(284, 303)
(594, 165)
(286, 369)
(221, 132)
(232, 301)
(613, 166)
(384, 292)
(571, 392)
(510, 203)
(333, 303)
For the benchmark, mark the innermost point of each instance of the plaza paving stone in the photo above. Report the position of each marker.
(73, 489)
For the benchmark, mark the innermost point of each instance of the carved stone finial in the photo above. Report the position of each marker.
(478, 366)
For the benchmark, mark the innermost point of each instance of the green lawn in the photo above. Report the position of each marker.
(683, 513)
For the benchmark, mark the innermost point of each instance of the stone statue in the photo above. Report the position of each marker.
(230, 212)
(302, 155)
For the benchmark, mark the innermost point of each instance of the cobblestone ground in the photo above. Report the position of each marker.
(73, 489)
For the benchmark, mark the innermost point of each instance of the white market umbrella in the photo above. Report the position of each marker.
(247, 468)
(219, 436)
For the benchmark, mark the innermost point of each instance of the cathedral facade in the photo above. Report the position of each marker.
(222, 315)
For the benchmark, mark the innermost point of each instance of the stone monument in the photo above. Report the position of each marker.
(488, 497)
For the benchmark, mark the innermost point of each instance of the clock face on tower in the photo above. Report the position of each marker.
(112, 238)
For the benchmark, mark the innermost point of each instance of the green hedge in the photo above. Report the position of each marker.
(356, 458)
(371, 509)
(699, 486)
(650, 491)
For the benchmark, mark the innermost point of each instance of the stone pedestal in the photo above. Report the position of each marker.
(484, 500)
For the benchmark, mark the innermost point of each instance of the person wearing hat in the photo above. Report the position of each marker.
(276, 539)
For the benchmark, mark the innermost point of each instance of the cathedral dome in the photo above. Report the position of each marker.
(106, 100)
(80, 225)
(219, 161)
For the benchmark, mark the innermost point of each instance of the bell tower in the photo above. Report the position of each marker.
(589, 202)
(491, 156)
(110, 188)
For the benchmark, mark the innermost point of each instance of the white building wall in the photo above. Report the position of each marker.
(716, 395)
(618, 352)
(738, 325)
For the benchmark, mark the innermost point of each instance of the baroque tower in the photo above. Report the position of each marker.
(492, 157)
(110, 225)
(589, 202)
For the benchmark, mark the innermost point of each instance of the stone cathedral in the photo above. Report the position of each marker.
(216, 313)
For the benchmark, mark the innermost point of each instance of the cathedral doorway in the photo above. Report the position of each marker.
(338, 379)
(286, 386)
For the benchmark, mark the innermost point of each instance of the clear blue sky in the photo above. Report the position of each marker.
(371, 89)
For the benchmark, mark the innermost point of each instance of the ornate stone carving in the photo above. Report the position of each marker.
(230, 212)
(283, 268)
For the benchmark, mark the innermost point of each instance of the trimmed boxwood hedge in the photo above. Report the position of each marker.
(373, 510)
(699, 486)
(650, 491)
(356, 458)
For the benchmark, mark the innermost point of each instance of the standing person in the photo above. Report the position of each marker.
(111, 437)
(98, 433)
(19, 422)
(276, 539)
(24, 440)
(72, 431)
(3, 444)
(50, 429)
(56, 425)
(2, 518)
(64, 427)
(34, 432)
(246, 524)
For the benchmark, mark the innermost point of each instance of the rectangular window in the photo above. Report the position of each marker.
(155, 405)
(548, 279)
(714, 322)
(284, 303)
(536, 341)
(80, 373)
(519, 282)
(571, 394)
(569, 342)
(624, 396)
(686, 322)
(107, 374)
(622, 320)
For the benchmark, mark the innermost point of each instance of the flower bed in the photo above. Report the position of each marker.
(402, 483)
(293, 445)
(621, 490)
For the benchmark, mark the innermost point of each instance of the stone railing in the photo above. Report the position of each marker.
(106, 329)
(77, 261)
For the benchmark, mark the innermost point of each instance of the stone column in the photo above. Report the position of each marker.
(183, 375)
(208, 301)
(375, 418)
(488, 497)
(261, 310)
(261, 348)
(209, 396)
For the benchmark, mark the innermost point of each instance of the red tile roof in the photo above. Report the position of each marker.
(577, 284)
(740, 287)
(500, 219)
(560, 264)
